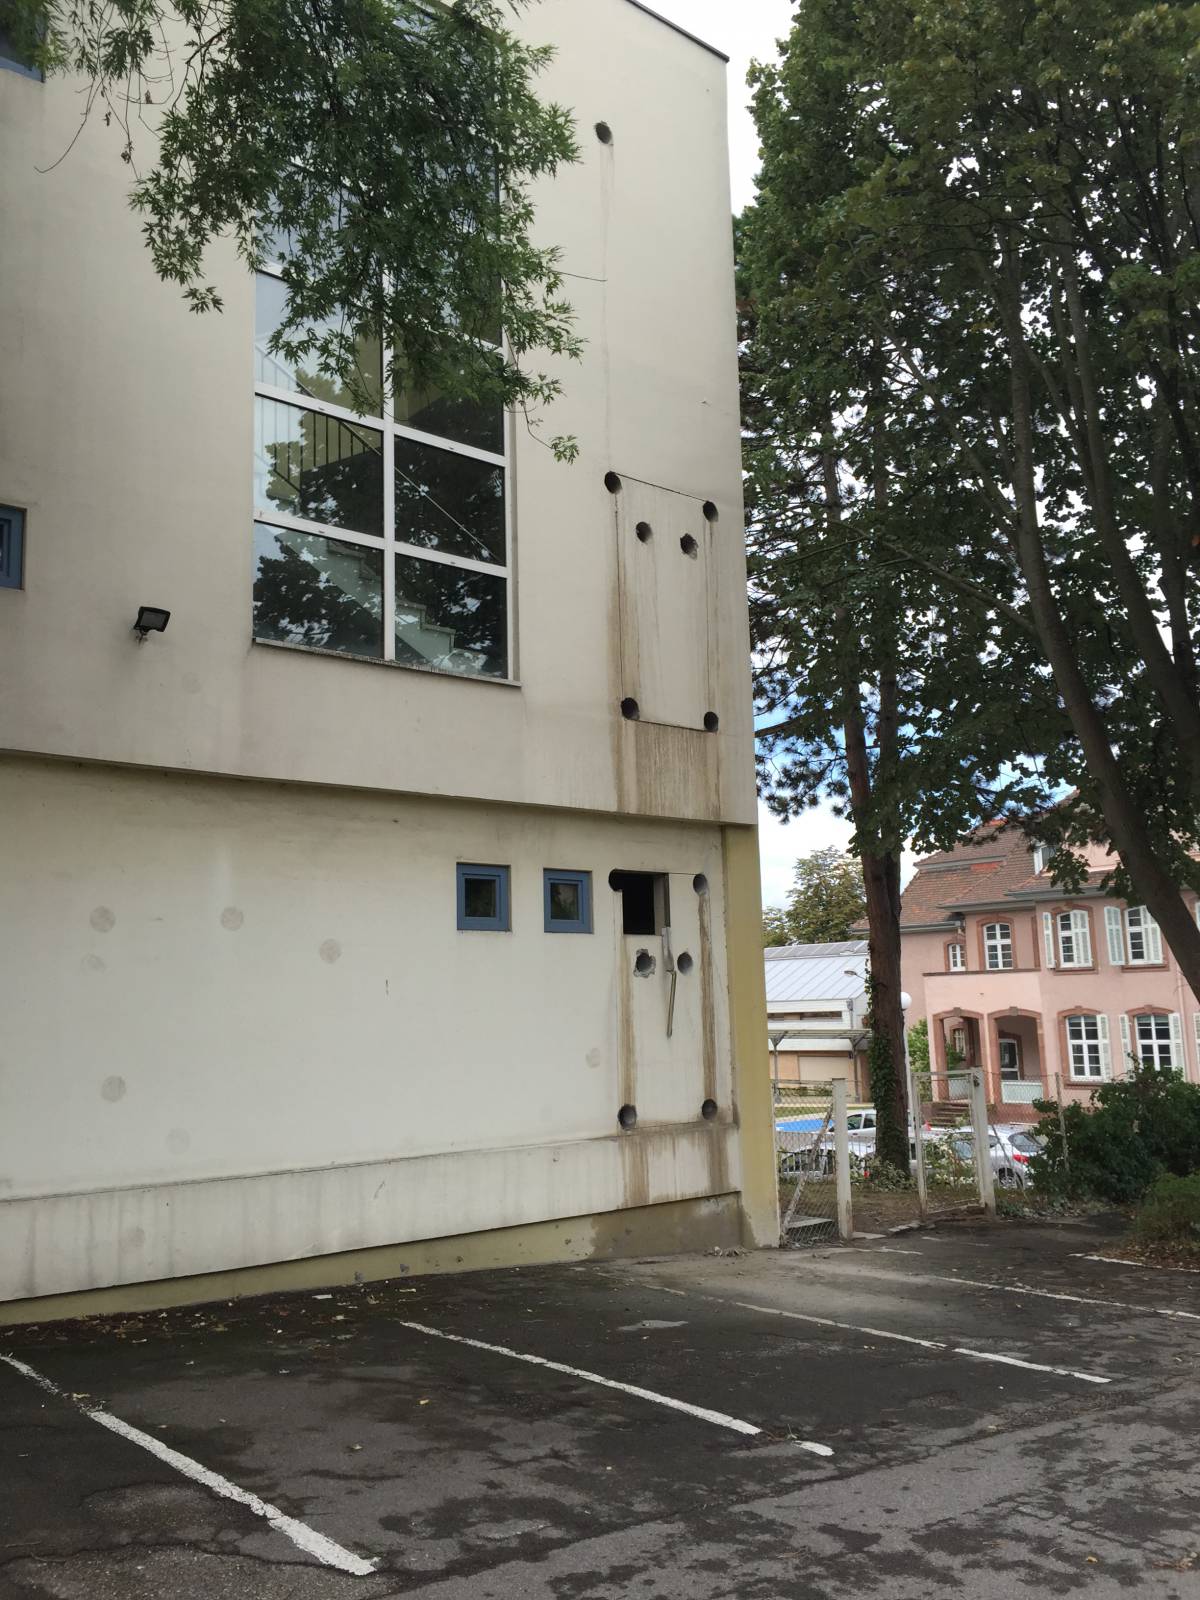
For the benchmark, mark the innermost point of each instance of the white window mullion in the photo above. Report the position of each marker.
(324, 530)
(421, 552)
(510, 529)
(389, 512)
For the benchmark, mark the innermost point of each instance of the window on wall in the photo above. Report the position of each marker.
(382, 534)
(997, 946)
(1143, 939)
(1041, 855)
(567, 901)
(956, 955)
(483, 899)
(1074, 939)
(1152, 1036)
(11, 57)
(1087, 1046)
(12, 547)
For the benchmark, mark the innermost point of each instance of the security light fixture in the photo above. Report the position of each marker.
(150, 619)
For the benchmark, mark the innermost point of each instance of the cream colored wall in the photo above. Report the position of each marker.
(246, 1029)
(126, 431)
(242, 1026)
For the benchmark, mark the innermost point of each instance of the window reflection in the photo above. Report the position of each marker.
(318, 467)
(320, 592)
(449, 502)
(450, 618)
(277, 372)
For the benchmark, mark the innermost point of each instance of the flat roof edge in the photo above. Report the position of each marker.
(675, 27)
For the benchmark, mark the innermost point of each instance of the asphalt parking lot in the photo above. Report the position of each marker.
(989, 1411)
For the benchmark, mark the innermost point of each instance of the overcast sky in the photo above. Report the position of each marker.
(747, 30)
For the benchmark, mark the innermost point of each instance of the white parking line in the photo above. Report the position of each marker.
(927, 1344)
(301, 1535)
(1119, 1261)
(717, 1418)
(1052, 1294)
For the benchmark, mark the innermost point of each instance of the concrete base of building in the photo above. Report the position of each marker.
(713, 1223)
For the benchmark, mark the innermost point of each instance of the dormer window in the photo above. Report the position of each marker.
(1041, 857)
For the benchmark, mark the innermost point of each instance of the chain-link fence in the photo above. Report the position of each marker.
(945, 1143)
(805, 1148)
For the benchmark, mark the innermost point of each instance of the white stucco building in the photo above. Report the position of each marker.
(314, 960)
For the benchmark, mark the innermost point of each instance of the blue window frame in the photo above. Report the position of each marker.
(567, 898)
(12, 61)
(12, 547)
(483, 898)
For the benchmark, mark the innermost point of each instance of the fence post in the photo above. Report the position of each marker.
(983, 1150)
(1062, 1121)
(841, 1156)
(914, 1112)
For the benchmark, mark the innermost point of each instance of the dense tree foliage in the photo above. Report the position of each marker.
(825, 902)
(383, 148)
(972, 297)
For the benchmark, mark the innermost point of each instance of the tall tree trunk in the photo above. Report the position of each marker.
(881, 884)
(1127, 832)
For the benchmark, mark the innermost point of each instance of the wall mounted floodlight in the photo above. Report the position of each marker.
(150, 619)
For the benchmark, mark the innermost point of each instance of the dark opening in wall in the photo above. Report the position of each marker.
(711, 722)
(710, 511)
(612, 483)
(627, 1117)
(630, 709)
(700, 883)
(604, 133)
(645, 907)
(709, 1110)
(689, 546)
(644, 532)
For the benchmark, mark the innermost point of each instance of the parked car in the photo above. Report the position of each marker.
(1009, 1149)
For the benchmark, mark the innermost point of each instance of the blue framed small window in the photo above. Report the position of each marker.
(12, 547)
(13, 61)
(568, 901)
(483, 898)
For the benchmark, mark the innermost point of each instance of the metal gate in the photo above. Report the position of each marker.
(950, 1143)
(813, 1164)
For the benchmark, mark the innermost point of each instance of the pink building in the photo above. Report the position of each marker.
(1035, 985)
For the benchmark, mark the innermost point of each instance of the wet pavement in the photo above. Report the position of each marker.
(984, 1410)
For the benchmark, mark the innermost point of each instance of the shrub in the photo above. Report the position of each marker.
(1135, 1131)
(1170, 1213)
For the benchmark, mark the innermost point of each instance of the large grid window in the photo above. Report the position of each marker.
(1087, 1043)
(1074, 939)
(998, 946)
(383, 535)
(1154, 1045)
(1145, 939)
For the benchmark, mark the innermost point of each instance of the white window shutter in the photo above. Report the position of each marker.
(1178, 1059)
(1082, 936)
(1126, 1047)
(1116, 935)
(1048, 938)
(1105, 1049)
(1153, 937)
(1196, 1031)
